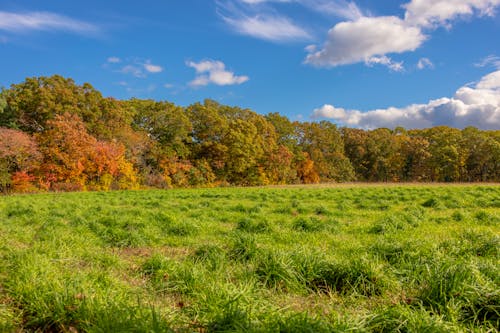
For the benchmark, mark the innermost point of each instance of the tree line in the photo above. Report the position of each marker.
(56, 135)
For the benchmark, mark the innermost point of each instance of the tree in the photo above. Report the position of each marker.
(447, 160)
(383, 158)
(323, 143)
(306, 171)
(67, 148)
(18, 154)
(483, 155)
(209, 126)
(37, 100)
(415, 150)
(165, 123)
(285, 130)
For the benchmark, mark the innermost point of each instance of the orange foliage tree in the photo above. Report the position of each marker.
(19, 157)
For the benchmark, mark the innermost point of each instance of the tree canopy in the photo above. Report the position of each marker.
(58, 135)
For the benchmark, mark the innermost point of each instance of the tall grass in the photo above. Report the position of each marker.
(292, 259)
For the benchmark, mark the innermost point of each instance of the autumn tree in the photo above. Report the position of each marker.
(323, 143)
(447, 155)
(415, 150)
(483, 155)
(37, 100)
(209, 126)
(19, 157)
(67, 148)
(85, 140)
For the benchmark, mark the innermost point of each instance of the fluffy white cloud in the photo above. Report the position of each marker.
(43, 21)
(478, 106)
(363, 38)
(367, 37)
(433, 13)
(212, 71)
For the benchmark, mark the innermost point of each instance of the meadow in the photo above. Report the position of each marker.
(352, 258)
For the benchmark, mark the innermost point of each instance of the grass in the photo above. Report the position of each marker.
(294, 259)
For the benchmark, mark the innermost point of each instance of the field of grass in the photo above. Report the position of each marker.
(294, 259)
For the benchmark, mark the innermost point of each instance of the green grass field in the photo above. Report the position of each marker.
(411, 258)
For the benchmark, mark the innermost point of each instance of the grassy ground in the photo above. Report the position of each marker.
(352, 258)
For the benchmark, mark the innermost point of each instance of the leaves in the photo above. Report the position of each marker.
(58, 135)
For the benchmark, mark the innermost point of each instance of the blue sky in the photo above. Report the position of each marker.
(365, 63)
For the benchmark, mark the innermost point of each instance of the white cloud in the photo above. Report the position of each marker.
(490, 81)
(268, 27)
(385, 61)
(254, 2)
(212, 71)
(477, 106)
(340, 8)
(133, 70)
(434, 13)
(360, 40)
(489, 60)
(132, 66)
(424, 63)
(149, 67)
(43, 21)
(262, 22)
(258, 19)
(113, 60)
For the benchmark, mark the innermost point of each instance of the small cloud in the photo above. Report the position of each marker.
(168, 85)
(254, 2)
(424, 63)
(491, 60)
(212, 71)
(268, 26)
(133, 70)
(340, 8)
(272, 28)
(329, 111)
(385, 61)
(113, 60)
(44, 21)
(132, 66)
(431, 14)
(149, 67)
(311, 48)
